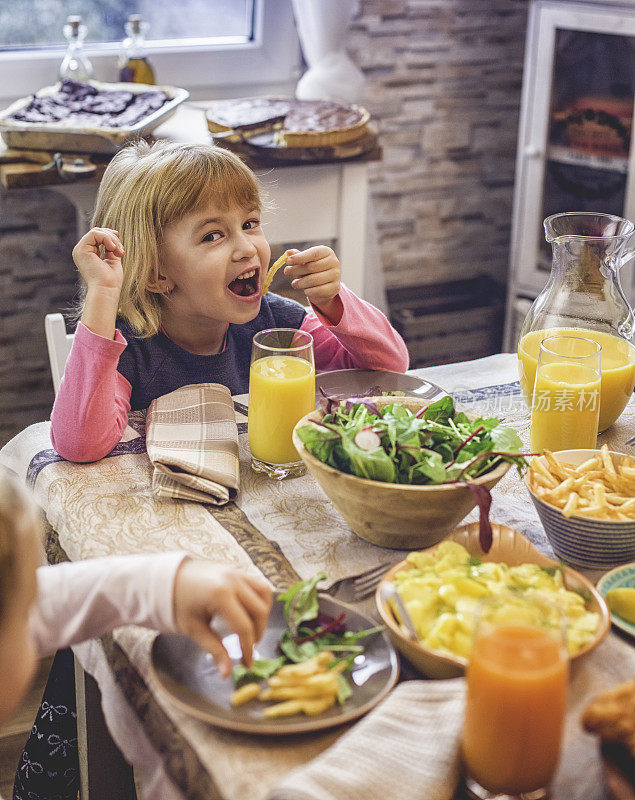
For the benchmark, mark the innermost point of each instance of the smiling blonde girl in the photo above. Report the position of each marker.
(173, 269)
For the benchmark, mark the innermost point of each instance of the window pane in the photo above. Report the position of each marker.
(39, 23)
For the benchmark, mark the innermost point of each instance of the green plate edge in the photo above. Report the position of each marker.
(619, 578)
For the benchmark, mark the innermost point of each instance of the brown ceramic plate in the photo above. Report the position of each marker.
(345, 383)
(189, 675)
(508, 546)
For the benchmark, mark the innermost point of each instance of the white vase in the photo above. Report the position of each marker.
(322, 26)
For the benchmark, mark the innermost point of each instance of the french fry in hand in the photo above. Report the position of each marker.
(272, 271)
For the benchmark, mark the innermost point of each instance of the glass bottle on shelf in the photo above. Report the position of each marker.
(75, 65)
(134, 66)
(583, 298)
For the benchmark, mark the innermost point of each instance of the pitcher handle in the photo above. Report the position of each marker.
(627, 256)
(627, 326)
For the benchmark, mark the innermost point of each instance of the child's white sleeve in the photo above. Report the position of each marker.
(86, 599)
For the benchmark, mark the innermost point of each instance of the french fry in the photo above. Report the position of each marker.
(272, 271)
(571, 504)
(297, 692)
(555, 467)
(608, 461)
(588, 466)
(286, 709)
(537, 465)
(246, 693)
(314, 707)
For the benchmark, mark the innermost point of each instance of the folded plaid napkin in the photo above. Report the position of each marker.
(405, 749)
(192, 442)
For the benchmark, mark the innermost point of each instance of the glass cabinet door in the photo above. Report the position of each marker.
(575, 151)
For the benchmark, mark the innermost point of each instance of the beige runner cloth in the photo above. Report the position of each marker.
(192, 442)
(408, 747)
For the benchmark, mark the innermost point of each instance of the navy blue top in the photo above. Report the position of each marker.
(156, 365)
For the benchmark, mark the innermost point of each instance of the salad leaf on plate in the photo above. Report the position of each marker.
(308, 632)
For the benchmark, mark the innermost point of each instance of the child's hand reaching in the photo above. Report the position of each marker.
(103, 276)
(203, 590)
(316, 271)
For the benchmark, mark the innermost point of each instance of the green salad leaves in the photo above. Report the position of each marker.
(307, 633)
(437, 445)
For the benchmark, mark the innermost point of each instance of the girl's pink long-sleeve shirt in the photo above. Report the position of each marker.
(91, 409)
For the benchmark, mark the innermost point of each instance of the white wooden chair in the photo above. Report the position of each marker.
(59, 346)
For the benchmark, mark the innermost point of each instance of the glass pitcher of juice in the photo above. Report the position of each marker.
(583, 297)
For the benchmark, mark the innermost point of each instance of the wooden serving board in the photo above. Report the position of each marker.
(265, 151)
(20, 168)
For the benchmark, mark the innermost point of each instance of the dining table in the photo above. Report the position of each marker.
(284, 530)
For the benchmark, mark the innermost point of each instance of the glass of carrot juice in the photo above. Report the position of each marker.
(281, 392)
(516, 698)
(565, 405)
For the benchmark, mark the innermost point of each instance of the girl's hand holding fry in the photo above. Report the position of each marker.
(316, 271)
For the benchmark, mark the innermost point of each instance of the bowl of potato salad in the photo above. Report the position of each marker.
(429, 602)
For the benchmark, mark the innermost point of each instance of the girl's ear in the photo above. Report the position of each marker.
(162, 285)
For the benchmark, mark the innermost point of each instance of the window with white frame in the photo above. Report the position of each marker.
(206, 46)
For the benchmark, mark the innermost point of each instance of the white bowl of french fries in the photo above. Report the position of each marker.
(586, 502)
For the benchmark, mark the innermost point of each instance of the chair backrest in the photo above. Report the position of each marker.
(59, 346)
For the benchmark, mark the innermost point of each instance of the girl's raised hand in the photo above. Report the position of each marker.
(204, 590)
(100, 272)
(316, 271)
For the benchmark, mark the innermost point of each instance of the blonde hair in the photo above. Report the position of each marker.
(17, 515)
(145, 188)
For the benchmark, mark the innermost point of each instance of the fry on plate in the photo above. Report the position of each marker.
(600, 488)
(309, 687)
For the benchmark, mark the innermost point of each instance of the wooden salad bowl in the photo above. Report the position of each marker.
(394, 515)
(510, 547)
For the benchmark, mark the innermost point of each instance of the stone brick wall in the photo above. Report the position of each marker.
(37, 276)
(444, 80)
(443, 83)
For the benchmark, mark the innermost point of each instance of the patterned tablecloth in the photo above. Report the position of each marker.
(283, 530)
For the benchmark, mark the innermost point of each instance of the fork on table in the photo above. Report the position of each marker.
(357, 587)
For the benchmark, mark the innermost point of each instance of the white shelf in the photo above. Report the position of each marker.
(565, 155)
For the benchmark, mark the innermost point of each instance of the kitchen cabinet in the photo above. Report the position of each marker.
(574, 142)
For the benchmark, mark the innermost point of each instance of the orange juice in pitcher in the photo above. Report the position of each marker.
(584, 298)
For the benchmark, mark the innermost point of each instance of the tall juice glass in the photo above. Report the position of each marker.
(516, 699)
(617, 377)
(281, 391)
(565, 405)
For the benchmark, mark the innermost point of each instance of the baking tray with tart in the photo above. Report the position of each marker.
(280, 129)
(24, 124)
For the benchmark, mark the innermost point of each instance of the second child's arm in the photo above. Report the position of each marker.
(167, 592)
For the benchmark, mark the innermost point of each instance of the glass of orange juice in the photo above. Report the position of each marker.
(565, 405)
(517, 680)
(281, 392)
